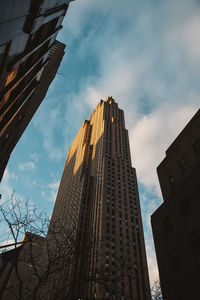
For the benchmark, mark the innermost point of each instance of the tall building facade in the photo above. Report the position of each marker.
(98, 203)
(176, 223)
(28, 31)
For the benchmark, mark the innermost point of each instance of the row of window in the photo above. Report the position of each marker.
(183, 163)
(184, 208)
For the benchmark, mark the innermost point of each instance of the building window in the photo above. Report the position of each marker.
(195, 242)
(167, 224)
(196, 146)
(185, 207)
(175, 260)
(171, 181)
(3, 52)
(7, 136)
(183, 165)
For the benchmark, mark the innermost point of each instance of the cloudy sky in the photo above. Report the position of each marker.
(146, 54)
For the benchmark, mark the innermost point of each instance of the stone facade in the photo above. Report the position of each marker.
(98, 203)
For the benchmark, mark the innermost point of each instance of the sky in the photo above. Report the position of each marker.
(146, 54)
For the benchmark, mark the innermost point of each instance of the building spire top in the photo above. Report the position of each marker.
(110, 99)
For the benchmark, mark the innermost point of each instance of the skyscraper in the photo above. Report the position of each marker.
(98, 202)
(28, 31)
(176, 223)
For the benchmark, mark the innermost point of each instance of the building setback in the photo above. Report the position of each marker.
(176, 223)
(98, 203)
(28, 52)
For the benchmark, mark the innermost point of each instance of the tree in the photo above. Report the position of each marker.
(38, 257)
(156, 293)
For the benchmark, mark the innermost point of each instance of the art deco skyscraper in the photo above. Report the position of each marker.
(28, 31)
(98, 200)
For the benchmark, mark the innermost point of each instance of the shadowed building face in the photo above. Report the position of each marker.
(175, 224)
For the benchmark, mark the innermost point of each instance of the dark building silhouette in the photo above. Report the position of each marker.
(98, 203)
(29, 59)
(176, 223)
(7, 260)
(19, 268)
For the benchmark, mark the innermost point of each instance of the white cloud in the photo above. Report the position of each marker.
(49, 191)
(148, 64)
(149, 203)
(34, 157)
(52, 122)
(6, 185)
(8, 175)
(52, 196)
(53, 188)
(27, 166)
(191, 36)
(151, 136)
(151, 259)
(7, 192)
(54, 185)
(77, 16)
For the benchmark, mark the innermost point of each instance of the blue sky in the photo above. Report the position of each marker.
(146, 54)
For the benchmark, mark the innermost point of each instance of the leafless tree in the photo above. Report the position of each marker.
(22, 217)
(38, 257)
(156, 293)
(42, 257)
